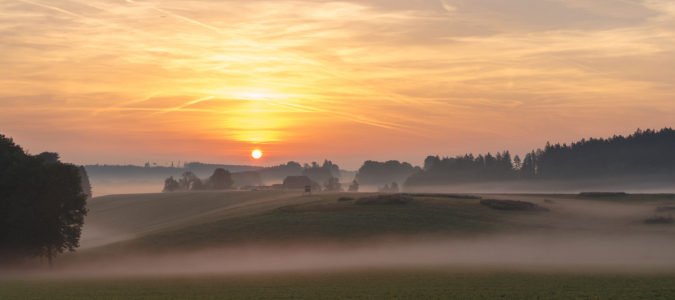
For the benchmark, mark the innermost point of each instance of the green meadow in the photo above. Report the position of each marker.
(380, 284)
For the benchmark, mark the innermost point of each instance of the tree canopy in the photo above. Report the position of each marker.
(42, 204)
(377, 173)
(645, 152)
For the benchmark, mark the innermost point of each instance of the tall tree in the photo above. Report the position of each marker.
(333, 185)
(517, 163)
(86, 185)
(354, 187)
(221, 179)
(42, 205)
(187, 180)
(171, 185)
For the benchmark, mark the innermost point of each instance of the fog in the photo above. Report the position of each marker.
(585, 254)
(636, 184)
(129, 187)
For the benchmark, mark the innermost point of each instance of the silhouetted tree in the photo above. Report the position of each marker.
(49, 157)
(517, 163)
(354, 187)
(280, 172)
(86, 185)
(334, 169)
(430, 161)
(171, 185)
(42, 205)
(187, 180)
(53, 157)
(333, 185)
(316, 173)
(198, 185)
(376, 173)
(221, 179)
(528, 169)
(248, 178)
(393, 188)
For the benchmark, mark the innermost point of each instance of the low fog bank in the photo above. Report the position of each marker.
(513, 252)
(129, 187)
(643, 184)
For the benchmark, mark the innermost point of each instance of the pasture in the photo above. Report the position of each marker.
(282, 245)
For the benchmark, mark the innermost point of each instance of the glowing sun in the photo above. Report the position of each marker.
(256, 154)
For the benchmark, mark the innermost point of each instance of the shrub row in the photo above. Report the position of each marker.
(659, 220)
(512, 205)
(602, 194)
(345, 199)
(665, 208)
(456, 196)
(384, 199)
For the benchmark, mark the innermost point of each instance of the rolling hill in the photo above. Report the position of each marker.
(195, 220)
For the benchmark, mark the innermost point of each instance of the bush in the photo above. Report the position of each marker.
(549, 201)
(512, 205)
(456, 196)
(345, 199)
(659, 220)
(384, 200)
(665, 208)
(602, 194)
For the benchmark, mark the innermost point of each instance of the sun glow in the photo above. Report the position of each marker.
(256, 154)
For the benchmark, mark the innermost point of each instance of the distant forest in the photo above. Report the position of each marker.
(241, 175)
(647, 152)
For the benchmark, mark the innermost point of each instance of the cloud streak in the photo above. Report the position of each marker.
(443, 75)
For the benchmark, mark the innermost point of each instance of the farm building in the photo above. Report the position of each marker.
(297, 182)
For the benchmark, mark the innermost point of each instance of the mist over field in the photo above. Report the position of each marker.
(541, 253)
(210, 233)
(360, 149)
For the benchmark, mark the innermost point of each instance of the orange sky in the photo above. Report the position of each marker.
(125, 82)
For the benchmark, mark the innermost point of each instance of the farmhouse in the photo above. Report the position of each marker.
(297, 182)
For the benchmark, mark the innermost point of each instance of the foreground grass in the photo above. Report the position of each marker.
(392, 284)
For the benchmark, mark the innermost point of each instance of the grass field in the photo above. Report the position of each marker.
(465, 243)
(381, 284)
(157, 222)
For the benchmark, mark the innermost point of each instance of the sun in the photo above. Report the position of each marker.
(256, 154)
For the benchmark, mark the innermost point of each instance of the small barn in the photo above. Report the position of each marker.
(297, 182)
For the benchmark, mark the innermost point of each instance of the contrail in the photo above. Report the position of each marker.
(57, 9)
(117, 107)
(184, 105)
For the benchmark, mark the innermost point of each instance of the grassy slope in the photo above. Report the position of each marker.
(200, 220)
(320, 218)
(389, 284)
(119, 217)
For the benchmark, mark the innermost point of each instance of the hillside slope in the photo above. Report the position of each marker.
(115, 218)
(190, 221)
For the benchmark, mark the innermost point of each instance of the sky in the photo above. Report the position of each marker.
(129, 82)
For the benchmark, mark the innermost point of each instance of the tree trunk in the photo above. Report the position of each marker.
(49, 257)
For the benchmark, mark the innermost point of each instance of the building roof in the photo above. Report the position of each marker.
(297, 182)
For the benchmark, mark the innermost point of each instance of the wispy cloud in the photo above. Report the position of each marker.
(435, 72)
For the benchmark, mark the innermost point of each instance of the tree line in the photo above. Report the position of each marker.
(645, 152)
(42, 204)
(220, 180)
